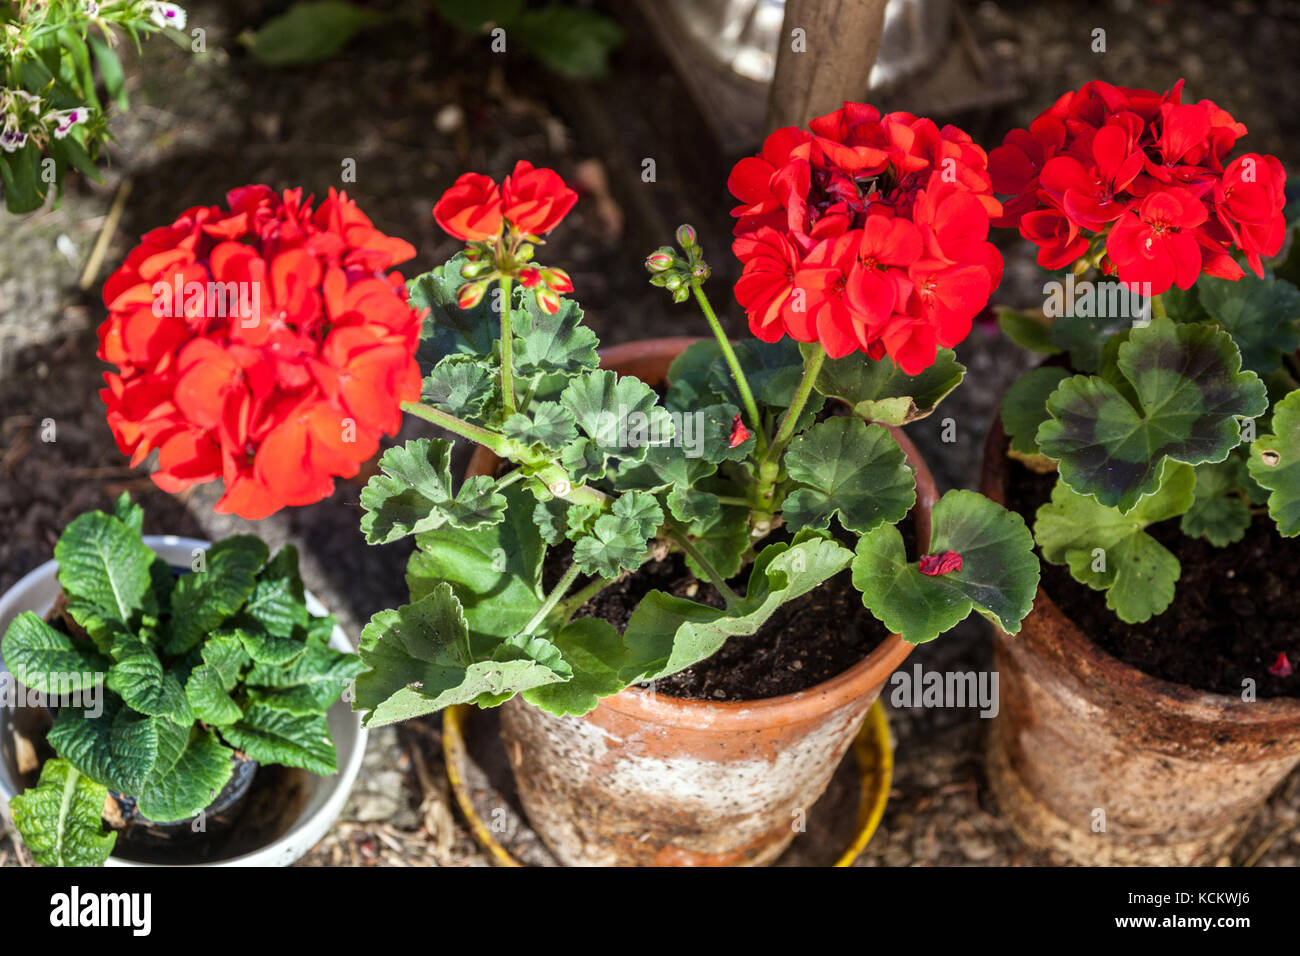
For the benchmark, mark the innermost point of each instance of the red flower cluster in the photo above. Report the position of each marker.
(1148, 172)
(532, 200)
(866, 232)
(262, 344)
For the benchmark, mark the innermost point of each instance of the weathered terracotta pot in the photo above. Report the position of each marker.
(648, 779)
(1105, 765)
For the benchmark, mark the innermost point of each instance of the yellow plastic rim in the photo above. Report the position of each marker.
(871, 750)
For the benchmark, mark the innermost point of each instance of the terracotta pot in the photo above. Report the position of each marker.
(648, 779)
(1083, 741)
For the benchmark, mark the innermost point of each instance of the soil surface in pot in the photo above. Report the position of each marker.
(806, 642)
(1234, 609)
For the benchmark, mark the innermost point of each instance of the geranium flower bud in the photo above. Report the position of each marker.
(659, 261)
(558, 280)
(686, 237)
(547, 300)
(472, 270)
(471, 294)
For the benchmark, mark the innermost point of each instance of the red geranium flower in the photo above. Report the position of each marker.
(833, 221)
(1143, 177)
(535, 200)
(262, 344)
(471, 209)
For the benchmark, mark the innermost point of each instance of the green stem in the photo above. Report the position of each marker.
(497, 443)
(1158, 308)
(769, 469)
(786, 430)
(507, 350)
(742, 383)
(715, 578)
(530, 390)
(552, 599)
(740, 502)
(571, 605)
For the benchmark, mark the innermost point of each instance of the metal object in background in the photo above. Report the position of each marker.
(744, 35)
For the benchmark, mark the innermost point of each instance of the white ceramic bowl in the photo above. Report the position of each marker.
(38, 591)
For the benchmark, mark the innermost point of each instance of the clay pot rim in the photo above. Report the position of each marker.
(1086, 658)
(872, 671)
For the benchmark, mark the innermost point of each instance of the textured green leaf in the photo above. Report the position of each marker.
(596, 652)
(690, 382)
(548, 424)
(1275, 464)
(117, 749)
(461, 386)
(556, 344)
(1024, 408)
(413, 494)
(277, 603)
(60, 819)
(570, 41)
(849, 468)
(204, 600)
(129, 513)
(267, 648)
(1261, 315)
(619, 417)
(1028, 331)
(880, 391)
(198, 774)
(998, 577)
(448, 329)
(420, 660)
(310, 31)
(722, 537)
(1188, 390)
(273, 736)
(1084, 336)
(1220, 511)
(666, 634)
(209, 699)
(138, 677)
(773, 370)
(1109, 550)
(473, 15)
(47, 660)
(105, 563)
(496, 572)
(311, 684)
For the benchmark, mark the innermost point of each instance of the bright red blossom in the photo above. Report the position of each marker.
(471, 209)
(262, 344)
(1142, 176)
(838, 223)
(535, 200)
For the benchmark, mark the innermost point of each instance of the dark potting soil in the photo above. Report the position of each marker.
(1234, 610)
(806, 641)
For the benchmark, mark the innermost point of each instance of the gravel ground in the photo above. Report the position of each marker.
(414, 107)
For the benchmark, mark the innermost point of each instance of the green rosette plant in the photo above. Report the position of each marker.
(51, 115)
(160, 679)
(1171, 388)
(755, 463)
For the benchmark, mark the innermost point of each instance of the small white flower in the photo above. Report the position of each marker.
(30, 100)
(12, 140)
(64, 120)
(166, 14)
